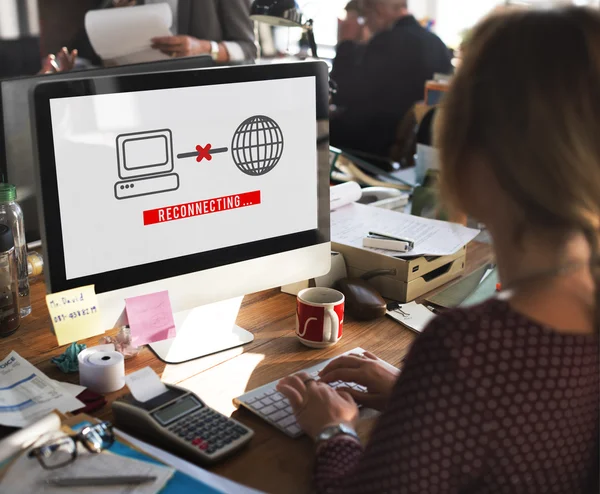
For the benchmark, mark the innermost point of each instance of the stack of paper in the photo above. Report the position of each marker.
(352, 223)
(26, 394)
(123, 36)
(26, 475)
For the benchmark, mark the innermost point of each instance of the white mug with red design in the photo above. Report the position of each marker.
(319, 316)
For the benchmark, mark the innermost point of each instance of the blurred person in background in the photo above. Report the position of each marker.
(379, 80)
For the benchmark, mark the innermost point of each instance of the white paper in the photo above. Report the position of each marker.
(343, 194)
(25, 437)
(145, 384)
(352, 223)
(70, 388)
(26, 394)
(26, 475)
(414, 316)
(124, 35)
(215, 481)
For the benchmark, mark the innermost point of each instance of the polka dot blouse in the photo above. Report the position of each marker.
(488, 402)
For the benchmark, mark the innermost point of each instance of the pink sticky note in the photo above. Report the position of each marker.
(150, 318)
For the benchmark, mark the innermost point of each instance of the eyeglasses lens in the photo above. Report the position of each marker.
(57, 452)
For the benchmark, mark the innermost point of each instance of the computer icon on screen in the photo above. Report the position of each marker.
(255, 217)
(145, 162)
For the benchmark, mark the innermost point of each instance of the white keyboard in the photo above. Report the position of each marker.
(273, 407)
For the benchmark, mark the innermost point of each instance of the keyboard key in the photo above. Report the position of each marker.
(294, 429)
(251, 400)
(258, 406)
(270, 392)
(277, 396)
(282, 405)
(268, 410)
(277, 416)
(267, 401)
(287, 421)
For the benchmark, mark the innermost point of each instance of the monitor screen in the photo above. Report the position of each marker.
(159, 176)
(16, 142)
(142, 166)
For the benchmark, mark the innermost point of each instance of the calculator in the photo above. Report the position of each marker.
(179, 421)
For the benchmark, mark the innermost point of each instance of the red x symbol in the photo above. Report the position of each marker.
(203, 152)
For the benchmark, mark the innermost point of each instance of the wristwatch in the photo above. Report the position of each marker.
(214, 50)
(336, 430)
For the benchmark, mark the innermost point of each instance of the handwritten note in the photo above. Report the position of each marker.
(75, 314)
(150, 318)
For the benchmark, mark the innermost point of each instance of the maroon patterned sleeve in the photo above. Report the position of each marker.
(488, 401)
(422, 440)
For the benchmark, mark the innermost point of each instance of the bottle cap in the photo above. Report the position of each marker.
(7, 241)
(8, 193)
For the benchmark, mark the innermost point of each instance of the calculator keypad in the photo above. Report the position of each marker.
(208, 430)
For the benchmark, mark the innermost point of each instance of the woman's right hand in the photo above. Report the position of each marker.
(366, 370)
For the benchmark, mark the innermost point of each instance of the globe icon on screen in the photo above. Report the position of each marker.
(257, 145)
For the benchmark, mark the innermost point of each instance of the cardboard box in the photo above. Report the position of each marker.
(413, 277)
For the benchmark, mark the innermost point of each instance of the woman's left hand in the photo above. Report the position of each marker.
(317, 405)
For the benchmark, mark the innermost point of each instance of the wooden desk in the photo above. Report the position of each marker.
(272, 462)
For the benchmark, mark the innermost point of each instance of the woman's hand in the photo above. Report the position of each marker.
(366, 370)
(317, 405)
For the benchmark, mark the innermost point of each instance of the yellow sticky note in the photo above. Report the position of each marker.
(75, 314)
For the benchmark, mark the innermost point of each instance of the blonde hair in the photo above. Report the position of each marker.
(526, 101)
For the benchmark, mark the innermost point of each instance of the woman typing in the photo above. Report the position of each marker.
(501, 397)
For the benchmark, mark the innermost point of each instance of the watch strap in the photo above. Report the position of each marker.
(336, 430)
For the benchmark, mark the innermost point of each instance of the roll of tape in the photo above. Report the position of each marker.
(102, 369)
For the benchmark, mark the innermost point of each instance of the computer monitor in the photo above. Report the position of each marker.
(209, 184)
(16, 146)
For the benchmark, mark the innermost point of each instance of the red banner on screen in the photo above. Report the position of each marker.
(199, 208)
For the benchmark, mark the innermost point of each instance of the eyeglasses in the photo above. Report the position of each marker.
(61, 450)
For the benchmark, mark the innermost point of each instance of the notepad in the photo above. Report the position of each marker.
(150, 318)
(414, 316)
(75, 314)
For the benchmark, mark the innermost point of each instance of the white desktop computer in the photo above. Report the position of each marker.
(209, 184)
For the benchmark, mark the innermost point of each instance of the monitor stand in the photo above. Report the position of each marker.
(203, 331)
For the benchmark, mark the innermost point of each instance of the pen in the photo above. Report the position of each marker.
(100, 481)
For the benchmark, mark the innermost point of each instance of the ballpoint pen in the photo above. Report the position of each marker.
(100, 481)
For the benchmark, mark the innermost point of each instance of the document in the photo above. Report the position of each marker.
(75, 314)
(414, 316)
(122, 35)
(150, 318)
(26, 475)
(26, 394)
(352, 223)
(204, 476)
(344, 194)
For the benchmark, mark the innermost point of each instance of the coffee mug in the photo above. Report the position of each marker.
(319, 316)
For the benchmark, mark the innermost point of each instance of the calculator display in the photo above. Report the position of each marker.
(177, 409)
